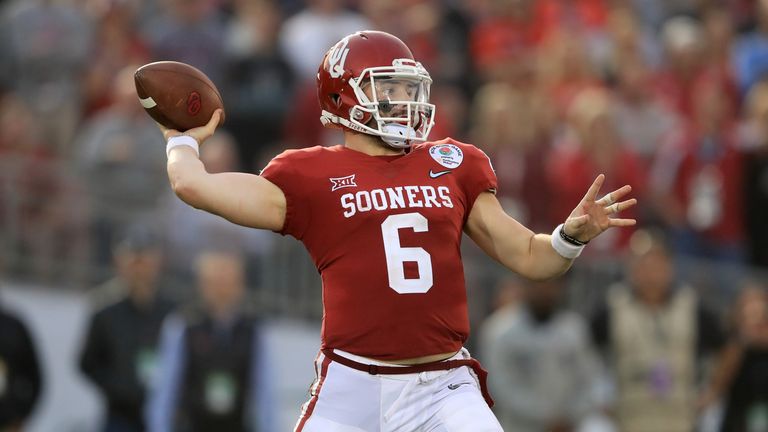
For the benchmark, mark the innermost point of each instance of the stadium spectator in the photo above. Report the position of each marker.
(120, 45)
(121, 166)
(213, 374)
(684, 62)
(656, 334)
(511, 123)
(698, 182)
(438, 33)
(566, 70)
(21, 380)
(643, 120)
(545, 371)
(189, 31)
(751, 50)
(258, 81)
(718, 29)
(754, 136)
(45, 47)
(591, 145)
(119, 354)
(306, 36)
(654, 13)
(745, 378)
(627, 40)
(42, 216)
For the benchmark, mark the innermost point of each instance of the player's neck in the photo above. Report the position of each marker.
(369, 144)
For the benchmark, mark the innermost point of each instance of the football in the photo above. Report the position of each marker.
(177, 95)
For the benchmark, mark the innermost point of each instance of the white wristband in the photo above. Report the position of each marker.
(562, 247)
(182, 140)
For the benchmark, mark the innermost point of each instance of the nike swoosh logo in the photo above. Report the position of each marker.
(439, 173)
(457, 385)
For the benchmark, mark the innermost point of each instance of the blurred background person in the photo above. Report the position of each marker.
(306, 36)
(44, 52)
(117, 156)
(303, 39)
(656, 335)
(21, 378)
(120, 44)
(188, 31)
(750, 58)
(590, 145)
(682, 43)
(258, 80)
(545, 375)
(754, 136)
(741, 379)
(511, 121)
(119, 354)
(43, 219)
(697, 183)
(212, 371)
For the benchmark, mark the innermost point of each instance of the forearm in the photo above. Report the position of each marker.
(512, 244)
(543, 262)
(539, 261)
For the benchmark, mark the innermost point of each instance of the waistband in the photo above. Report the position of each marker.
(461, 354)
(377, 368)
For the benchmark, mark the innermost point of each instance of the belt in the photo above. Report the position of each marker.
(374, 369)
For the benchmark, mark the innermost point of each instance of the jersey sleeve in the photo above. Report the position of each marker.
(283, 173)
(480, 177)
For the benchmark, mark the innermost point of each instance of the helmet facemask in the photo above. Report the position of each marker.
(398, 108)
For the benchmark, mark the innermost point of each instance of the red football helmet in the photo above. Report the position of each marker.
(369, 82)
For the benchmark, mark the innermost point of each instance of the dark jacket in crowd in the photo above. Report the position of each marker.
(211, 376)
(746, 406)
(119, 357)
(20, 376)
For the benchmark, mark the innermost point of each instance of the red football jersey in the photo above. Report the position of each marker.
(385, 234)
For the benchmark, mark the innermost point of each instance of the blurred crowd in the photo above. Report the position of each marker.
(670, 96)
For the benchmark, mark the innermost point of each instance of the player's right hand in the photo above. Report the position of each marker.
(200, 134)
(592, 216)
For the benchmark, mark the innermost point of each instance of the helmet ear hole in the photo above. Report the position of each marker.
(336, 98)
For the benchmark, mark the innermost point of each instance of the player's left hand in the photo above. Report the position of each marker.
(592, 216)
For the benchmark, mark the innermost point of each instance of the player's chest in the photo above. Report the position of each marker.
(357, 193)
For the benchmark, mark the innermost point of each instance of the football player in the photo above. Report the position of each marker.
(382, 217)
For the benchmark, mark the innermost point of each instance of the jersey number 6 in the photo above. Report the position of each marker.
(398, 255)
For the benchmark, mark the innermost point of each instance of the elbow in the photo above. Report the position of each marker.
(182, 188)
(183, 185)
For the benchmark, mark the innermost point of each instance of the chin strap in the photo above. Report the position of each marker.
(405, 135)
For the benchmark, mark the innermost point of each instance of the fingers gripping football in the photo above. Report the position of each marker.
(200, 134)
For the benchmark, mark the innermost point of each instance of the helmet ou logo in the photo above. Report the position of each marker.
(337, 57)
